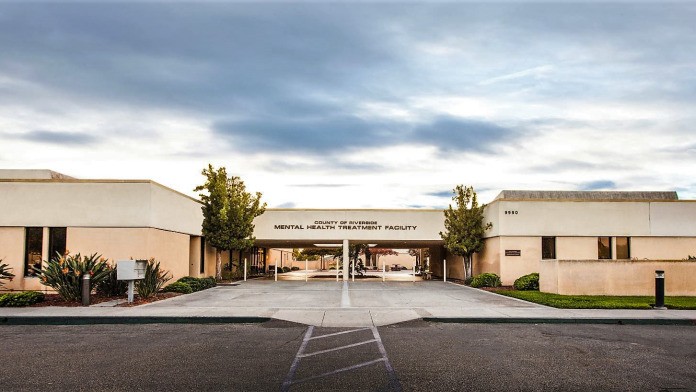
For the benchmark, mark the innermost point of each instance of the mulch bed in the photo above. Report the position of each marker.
(56, 300)
(141, 301)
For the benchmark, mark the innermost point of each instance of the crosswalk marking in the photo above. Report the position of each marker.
(289, 381)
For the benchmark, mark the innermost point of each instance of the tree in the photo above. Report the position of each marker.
(215, 206)
(243, 208)
(228, 213)
(464, 228)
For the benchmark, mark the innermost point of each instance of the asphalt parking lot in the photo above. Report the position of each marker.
(412, 356)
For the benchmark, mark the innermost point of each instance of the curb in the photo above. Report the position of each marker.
(91, 320)
(526, 320)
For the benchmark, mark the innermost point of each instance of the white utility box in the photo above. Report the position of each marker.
(130, 269)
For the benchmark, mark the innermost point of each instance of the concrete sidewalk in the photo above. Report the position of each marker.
(339, 304)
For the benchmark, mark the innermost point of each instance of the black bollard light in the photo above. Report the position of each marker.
(659, 289)
(86, 289)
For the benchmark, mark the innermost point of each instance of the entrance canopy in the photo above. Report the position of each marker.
(388, 228)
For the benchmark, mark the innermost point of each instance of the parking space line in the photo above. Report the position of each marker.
(338, 333)
(296, 361)
(337, 348)
(345, 369)
(394, 383)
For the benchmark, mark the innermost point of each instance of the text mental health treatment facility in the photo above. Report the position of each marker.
(580, 242)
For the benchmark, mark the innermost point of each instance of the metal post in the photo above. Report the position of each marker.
(659, 290)
(306, 272)
(414, 273)
(346, 261)
(131, 290)
(444, 270)
(245, 269)
(276, 270)
(336, 270)
(86, 289)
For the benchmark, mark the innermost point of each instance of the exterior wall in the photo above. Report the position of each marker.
(575, 248)
(12, 254)
(76, 203)
(591, 218)
(396, 225)
(169, 248)
(280, 257)
(512, 267)
(403, 259)
(489, 258)
(660, 248)
(194, 256)
(617, 277)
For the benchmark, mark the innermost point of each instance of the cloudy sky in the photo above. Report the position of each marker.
(341, 105)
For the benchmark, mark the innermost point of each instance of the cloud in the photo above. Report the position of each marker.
(288, 204)
(320, 185)
(597, 185)
(447, 194)
(58, 138)
(340, 133)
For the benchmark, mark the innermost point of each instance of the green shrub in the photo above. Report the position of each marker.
(198, 284)
(110, 286)
(486, 280)
(333, 267)
(295, 268)
(155, 278)
(286, 269)
(178, 287)
(5, 273)
(64, 274)
(527, 282)
(25, 298)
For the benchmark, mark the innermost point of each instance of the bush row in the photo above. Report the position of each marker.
(25, 298)
(189, 284)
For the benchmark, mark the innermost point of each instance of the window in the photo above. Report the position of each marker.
(56, 241)
(604, 247)
(623, 247)
(33, 246)
(548, 247)
(202, 267)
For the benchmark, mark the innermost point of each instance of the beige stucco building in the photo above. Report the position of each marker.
(580, 242)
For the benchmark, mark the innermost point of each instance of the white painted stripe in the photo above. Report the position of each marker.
(345, 296)
(337, 348)
(345, 369)
(394, 383)
(296, 361)
(338, 333)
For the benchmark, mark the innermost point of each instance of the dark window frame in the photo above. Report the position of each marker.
(543, 256)
(201, 267)
(628, 247)
(31, 242)
(55, 242)
(611, 251)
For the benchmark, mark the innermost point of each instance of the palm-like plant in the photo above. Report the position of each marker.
(64, 273)
(154, 280)
(5, 273)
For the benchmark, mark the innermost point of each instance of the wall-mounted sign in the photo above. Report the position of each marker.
(344, 225)
(513, 252)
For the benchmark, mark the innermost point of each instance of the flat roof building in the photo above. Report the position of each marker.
(580, 242)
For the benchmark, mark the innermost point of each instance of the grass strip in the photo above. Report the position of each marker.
(597, 301)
